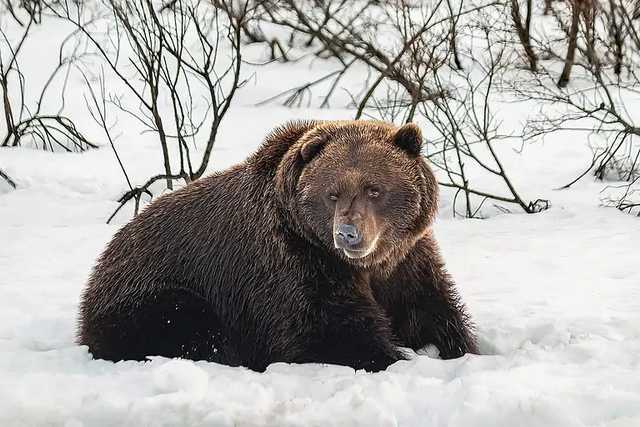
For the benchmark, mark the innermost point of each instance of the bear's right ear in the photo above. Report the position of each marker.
(312, 146)
(409, 139)
(308, 143)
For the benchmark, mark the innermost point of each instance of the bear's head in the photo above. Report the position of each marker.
(359, 189)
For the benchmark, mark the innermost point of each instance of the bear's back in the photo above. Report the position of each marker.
(214, 228)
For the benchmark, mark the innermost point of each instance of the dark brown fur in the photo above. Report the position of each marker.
(240, 267)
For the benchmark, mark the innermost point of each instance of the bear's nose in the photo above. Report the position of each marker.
(348, 234)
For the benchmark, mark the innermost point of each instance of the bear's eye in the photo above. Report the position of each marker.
(373, 193)
(333, 197)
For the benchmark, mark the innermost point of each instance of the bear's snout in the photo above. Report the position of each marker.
(347, 236)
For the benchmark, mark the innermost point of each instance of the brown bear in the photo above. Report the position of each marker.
(317, 248)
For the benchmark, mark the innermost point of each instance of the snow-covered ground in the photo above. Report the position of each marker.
(555, 296)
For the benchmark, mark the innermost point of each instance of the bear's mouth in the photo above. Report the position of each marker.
(358, 252)
(355, 253)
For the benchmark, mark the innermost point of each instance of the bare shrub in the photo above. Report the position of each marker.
(421, 74)
(467, 132)
(32, 122)
(607, 43)
(522, 26)
(170, 55)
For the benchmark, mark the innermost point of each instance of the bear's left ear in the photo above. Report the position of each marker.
(409, 139)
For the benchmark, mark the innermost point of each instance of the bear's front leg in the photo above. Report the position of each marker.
(423, 305)
(355, 331)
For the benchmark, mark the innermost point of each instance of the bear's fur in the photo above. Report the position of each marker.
(248, 267)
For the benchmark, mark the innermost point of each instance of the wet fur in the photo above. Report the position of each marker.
(227, 269)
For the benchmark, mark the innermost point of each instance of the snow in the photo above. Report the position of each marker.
(555, 297)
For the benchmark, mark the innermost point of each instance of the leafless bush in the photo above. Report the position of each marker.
(578, 9)
(32, 7)
(167, 55)
(48, 130)
(351, 34)
(606, 42)
(625, 197)
(467, 133)
(438, 62)
(522, 26)
(415, 76)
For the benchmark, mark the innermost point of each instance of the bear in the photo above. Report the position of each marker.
(318, 248)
